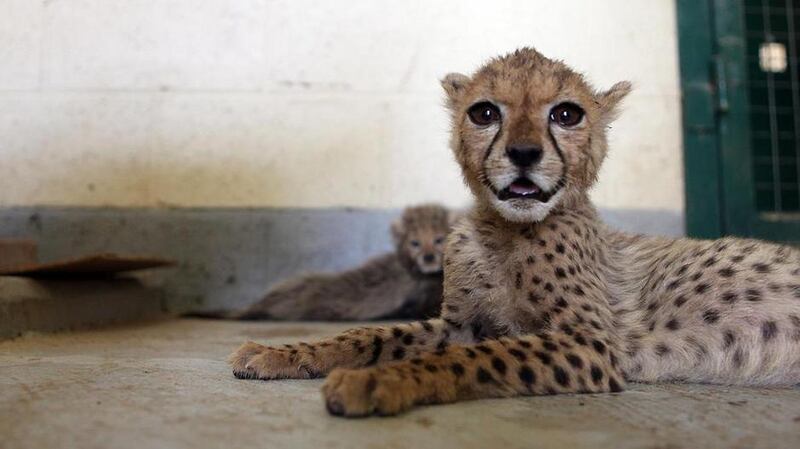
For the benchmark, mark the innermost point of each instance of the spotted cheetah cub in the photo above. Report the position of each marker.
(539, 296)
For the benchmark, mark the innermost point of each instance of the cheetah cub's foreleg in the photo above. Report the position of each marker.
(531, 365)
(354, 348)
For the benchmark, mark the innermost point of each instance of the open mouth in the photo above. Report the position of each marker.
(430, 270)
(523, 188)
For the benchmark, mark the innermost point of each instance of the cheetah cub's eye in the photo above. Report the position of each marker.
(439, 240)
(414, 243)
(566, 115)
(484, 113)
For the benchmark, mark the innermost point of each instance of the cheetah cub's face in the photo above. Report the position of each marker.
(528, 132)
(419, 235)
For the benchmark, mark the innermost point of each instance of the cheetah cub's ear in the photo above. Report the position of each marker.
(610, 99)
(454, 85)
(398, 231)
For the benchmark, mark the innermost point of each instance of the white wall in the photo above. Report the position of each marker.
(300, 102)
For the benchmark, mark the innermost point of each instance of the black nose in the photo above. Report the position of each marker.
(524, 155)
(428, 258)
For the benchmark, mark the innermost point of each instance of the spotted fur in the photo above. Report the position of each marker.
(540, 297)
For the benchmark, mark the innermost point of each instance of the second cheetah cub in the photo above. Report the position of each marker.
(540, 297)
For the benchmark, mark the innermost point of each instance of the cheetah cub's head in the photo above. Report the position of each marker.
(529, 132)
(419, 235)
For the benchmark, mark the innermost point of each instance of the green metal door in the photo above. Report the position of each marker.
(741, 103)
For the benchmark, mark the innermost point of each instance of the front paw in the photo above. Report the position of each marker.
(255, 361)
(363, 392)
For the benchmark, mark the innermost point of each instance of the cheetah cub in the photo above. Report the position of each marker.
(539, 296)
(404, 284)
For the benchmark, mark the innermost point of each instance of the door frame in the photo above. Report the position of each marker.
(719, 193)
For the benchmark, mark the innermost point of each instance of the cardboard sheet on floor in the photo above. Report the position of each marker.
(88, 266)
(16, 252)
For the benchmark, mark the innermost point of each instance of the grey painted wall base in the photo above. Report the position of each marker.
(51, 305)
(229, 257)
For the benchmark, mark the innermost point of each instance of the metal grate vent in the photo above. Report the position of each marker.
(773, 36)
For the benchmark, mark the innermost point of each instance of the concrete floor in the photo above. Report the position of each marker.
(166, 384)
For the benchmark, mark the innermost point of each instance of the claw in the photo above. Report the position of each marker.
(244, 374)
(334, 407)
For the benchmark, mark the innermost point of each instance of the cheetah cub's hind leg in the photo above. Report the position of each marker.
(721, 312)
